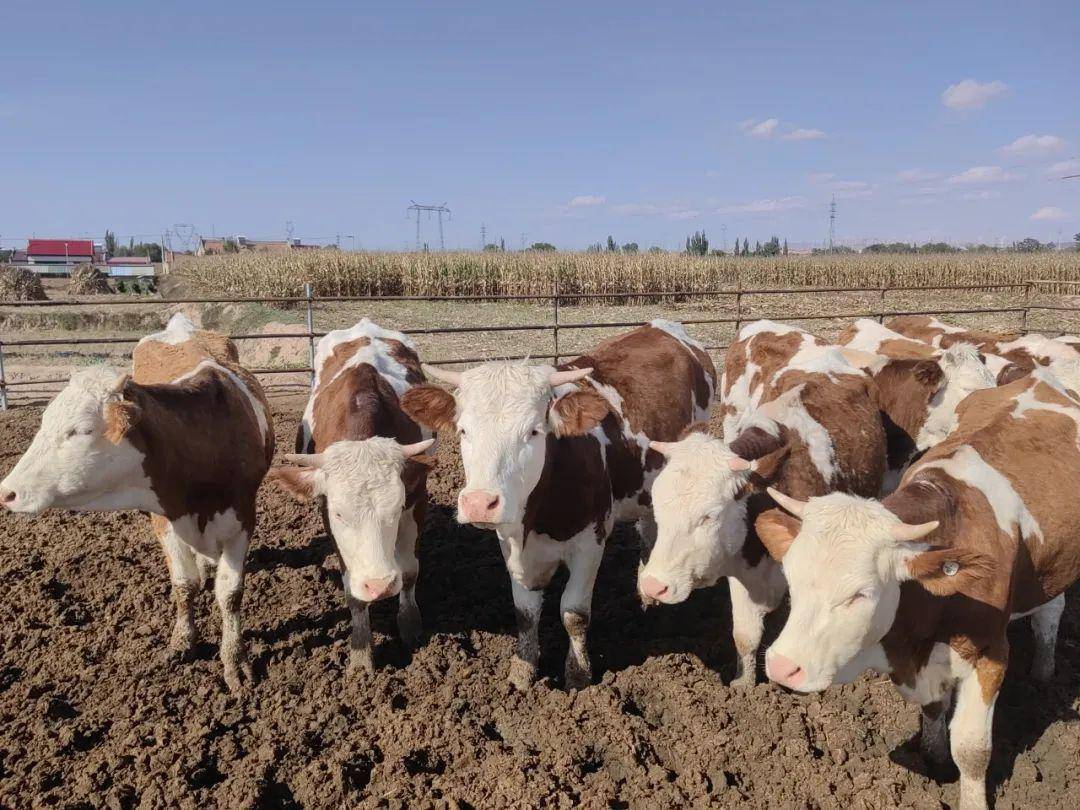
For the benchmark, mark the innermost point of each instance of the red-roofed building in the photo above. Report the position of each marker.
(61, 253)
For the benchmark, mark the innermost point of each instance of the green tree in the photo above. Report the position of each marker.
(746, 247)
(697, 244)
(1076, 238)
(110, 243)
(735, 251)
(612, 245)
(596, 247)
(785, 247)
(491, 247)
(656, 249)
(771, 248)
(1029, 245)
(630, 247)
(541, 246)
(230, 246)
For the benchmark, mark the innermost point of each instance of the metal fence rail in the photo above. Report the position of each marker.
(557, 300)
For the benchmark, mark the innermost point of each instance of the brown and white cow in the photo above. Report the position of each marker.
(188, 438)
(919, 387)
(554, 457)
(934, 332)
(983, 529)
(362, 458)
(819, 430)
(762, 349)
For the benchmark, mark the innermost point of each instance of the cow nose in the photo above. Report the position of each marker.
(652, 587)
(375, 589)
(7, 496)
(480, 506)
(784, 671)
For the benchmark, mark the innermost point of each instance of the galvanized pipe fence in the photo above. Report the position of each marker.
(557, 301)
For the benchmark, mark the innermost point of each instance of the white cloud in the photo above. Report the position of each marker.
(760, 129)
(673, 212)
(770, 127)
(764, 206)
(851, 188)
(916, 176)
(1033, 146)
(585, 200)
(981, 175)
(972, 95)
(1064, 167)
(820, 177)
(802, 134)
(1049, 213)
(985, 194)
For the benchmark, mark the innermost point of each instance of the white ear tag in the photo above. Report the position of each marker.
(950, 568)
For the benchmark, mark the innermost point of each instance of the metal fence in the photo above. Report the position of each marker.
(557, 302)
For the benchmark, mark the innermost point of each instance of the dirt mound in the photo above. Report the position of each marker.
(91, 714)
(20, 284)
(88, 280)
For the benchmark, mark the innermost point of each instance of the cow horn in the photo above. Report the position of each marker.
(663, 448)
(736, 464)
(409, 450)
(443, 374)
(305, 459)
(568, 376)
(787, 502)
(908, 533)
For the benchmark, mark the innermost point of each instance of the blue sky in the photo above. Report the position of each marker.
(562, 121)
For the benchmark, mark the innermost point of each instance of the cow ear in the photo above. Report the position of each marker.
(303, 483)
(777, 531)
(122, 411)
(929, 373)
(766, 470)
(946, 571)
(578, 412)
(430, 406)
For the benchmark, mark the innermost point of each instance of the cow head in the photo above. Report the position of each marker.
(365, 495)
(504, 414)
(700, 514)
(844, 559)
(82, 457)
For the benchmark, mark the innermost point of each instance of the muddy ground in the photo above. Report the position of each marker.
(92, 715)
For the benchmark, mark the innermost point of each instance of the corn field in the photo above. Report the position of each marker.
(333, 272)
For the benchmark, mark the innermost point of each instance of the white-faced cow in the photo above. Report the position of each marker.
(361, 457)
(819, 430)
(555, 457)
(188, 438)
(762, 349)
(984, 528)
(919, 387)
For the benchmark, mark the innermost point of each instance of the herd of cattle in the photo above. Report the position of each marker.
(911, 488)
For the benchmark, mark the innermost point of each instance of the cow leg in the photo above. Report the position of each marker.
(408, 618)
(184, 575)
(360, 656)
(229, 591)
(576, 609)
(527, 604)
(1044, 623)
(753, 595)
(934, 731)
(971, 727)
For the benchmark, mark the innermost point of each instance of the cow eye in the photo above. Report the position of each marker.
(534, 433)
(461, 431)
(854, 599)
(80, 431)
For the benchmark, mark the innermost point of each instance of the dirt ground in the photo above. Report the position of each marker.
(91, 714)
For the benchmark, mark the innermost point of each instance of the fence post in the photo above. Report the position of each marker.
(3, 382)
(881, 302)
(1027, 306)
(555, 326)
(738, 309)
(311, 333)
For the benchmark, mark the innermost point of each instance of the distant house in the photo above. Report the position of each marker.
(130, 266)
(215, 245)
(61, 255)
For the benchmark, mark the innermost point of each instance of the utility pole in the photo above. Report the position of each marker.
(288, 231)
(832, 224)
(483, 236)
(416, 209)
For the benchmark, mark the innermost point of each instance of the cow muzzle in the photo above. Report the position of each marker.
(372, 590)
(480, 506)
(784, 671)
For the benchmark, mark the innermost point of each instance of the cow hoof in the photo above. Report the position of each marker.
(577, 678)
(179, 651)
(361, 662)
(744, 680)
(237, 670)
(522, 674)
(411, 630)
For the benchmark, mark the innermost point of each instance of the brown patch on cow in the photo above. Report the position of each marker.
(923, 329)
(578, 412)
(431, 406)
(695, 427)
(905, 388)
(120, 414)
(156, 363)
(299, 482)
(777, 530)
(755, 442)
(341, 354)
(898, 349)
(407, 357)
(572, 492)
(771, 353)
(1013, 372)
